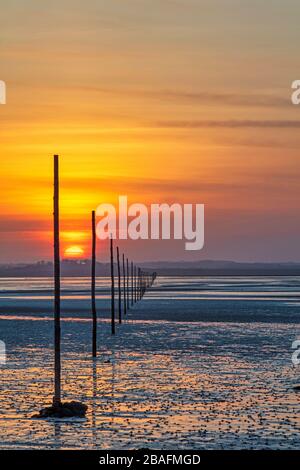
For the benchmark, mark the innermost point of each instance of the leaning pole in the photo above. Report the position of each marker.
(58, 408)
(124, 285)
(93, 287)
(113, 327)
(119, 287)
(57, 330)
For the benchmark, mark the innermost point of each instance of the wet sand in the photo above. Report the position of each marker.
(158, 384)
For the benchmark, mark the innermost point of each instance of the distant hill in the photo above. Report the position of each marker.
(171, 268)
(45, 269)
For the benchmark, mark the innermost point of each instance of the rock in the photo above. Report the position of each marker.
(63, 410)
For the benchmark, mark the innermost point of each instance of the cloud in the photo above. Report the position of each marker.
(230, 124)
(201, 97)
(230, 99)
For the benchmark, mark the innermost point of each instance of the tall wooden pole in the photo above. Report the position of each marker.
(135, 284)
(119, 287)
(94, 311)
(57, 330)
(113, 327)
(124, 285)
(127, 275)
(131, 283)
(140, 284)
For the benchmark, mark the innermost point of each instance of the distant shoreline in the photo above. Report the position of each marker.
(82, 268)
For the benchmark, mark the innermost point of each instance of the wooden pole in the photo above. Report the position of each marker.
(135, 284)
(127, 275)
(131, 283)
(124, 286)
(57, 330)
(113, 327)
(94, 311)
(119, 287)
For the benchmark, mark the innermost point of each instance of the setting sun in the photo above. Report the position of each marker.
(74, 252)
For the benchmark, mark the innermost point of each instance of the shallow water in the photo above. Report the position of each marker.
(237, 299)
(158, 384)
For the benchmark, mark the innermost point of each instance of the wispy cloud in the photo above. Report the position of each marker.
(231, 124)
(265, 100)
(229, 99)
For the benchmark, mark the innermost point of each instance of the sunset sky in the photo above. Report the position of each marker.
(161, 100)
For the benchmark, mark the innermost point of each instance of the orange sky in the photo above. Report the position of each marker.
(177, 101)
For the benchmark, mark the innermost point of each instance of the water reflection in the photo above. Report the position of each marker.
(95, 395)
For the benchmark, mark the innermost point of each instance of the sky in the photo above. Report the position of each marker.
(184, 101)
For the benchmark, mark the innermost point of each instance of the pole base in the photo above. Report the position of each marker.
(72, 409)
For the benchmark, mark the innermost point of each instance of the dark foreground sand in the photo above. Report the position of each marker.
(158, 384)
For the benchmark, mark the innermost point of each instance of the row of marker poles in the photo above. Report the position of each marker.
(134, 286)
